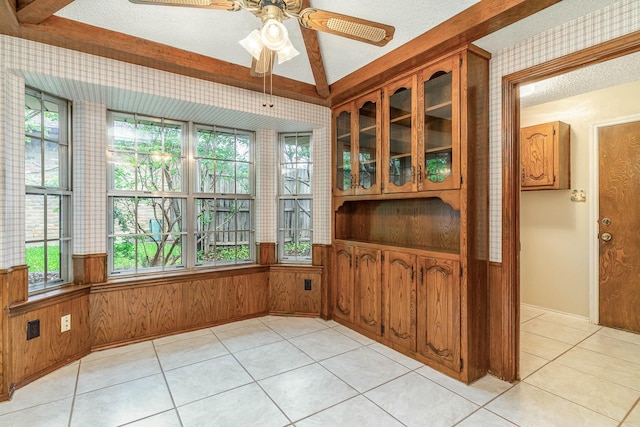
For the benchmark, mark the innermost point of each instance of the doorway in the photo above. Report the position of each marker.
(509, 287)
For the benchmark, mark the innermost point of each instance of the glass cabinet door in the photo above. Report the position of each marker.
(400, 140)
(343, 141)
(439, 168)
(368, 143)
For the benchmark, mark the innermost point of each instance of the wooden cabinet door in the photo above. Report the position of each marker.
(343, 142)
(368, 289)
(439, 127)
(439, 306)
(400, 136)
(343, 282)
(400, 297)
(367, 148)
(545, 160)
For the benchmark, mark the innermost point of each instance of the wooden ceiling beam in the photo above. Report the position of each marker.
(81, 37)
(36, 11)
(481, 19)
(312, 45)
(8, 19)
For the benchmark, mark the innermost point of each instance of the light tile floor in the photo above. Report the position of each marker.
(276, 371)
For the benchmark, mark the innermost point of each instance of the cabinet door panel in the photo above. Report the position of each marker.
(400, 136)
(439, 129)
(343, 283)
(400, 295)
(343, 146)
(439, 302)
(368, 289)
(368, 146)
(537, 156)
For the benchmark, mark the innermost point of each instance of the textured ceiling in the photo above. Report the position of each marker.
(216, 34)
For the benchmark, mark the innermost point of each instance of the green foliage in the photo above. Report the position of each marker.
(34, 258)
(298, 249)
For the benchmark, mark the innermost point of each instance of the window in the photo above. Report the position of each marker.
(295, 204)
(166, 214)
(48, 191)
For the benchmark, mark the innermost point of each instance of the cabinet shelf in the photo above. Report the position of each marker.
(440, 111)
(400, 118)
(343, 136)
(367, 128)
(438, 149)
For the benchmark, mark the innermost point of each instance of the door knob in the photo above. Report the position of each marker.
(606, 221)
(605, 237)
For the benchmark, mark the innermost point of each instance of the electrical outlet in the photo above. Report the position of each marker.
(65, 323)
(307, 284)
(33, 329)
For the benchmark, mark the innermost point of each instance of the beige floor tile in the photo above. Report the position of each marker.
(355, 412)
(122, 403)
(620, 335)
(181, 337)
(526, 405)
(57, 385)
(570, 321)
(289, 327)
(324, 344)
(599, 395)
(251, 336)
(164, 419)
(204, 379)
(188, 351)
(540, 346)
(327, 323)
(530, 363)
(235, 325)
(272, 359)
(554, 331)
(528, 312)
(244, 406)
(484, 418)
(124, 366)
(292, 390)
(364, 369)
(417, 401)
(624, 350)
(396, 356)
(118, 351)
(480, 392)
(633, 419)
(53, 414)
(354, 335)
(603, 366)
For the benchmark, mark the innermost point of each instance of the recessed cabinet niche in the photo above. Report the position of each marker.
(545, 158)
(410, 214)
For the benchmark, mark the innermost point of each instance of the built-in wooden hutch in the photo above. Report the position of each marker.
(410, 213)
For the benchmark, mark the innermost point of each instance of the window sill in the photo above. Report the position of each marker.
(49, 298)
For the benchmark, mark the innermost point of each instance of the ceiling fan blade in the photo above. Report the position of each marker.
(206, 4)
(264, 65)
(347, 26)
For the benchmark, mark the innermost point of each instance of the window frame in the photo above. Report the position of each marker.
(188, 195)
(63, 191)
(284, 197)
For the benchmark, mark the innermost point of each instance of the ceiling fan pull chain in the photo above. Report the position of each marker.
(271, 82)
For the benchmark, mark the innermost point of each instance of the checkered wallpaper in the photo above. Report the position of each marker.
(608, 23)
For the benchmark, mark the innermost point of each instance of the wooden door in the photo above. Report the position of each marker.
(619, 222)
(368, 289)
(439, 308)
(343, 282)
(400, 297)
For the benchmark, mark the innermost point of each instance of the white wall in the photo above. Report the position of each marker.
(554, 231)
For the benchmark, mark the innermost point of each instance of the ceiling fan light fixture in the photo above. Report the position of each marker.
(253, 44)
(287, 52)
(274, 35)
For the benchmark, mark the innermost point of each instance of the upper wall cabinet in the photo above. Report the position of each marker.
(357, 144)
(439, 126)
(400, 136)
(545, 159)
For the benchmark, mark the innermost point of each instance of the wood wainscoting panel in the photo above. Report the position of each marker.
(495, 320)
(321, 257)
(266, 253)
(89, 269)
(287, 294)
(30, 359)
(135, 311)
(18, 283)
(4, 335)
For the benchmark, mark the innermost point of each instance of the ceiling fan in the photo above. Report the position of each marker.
(273, 38)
